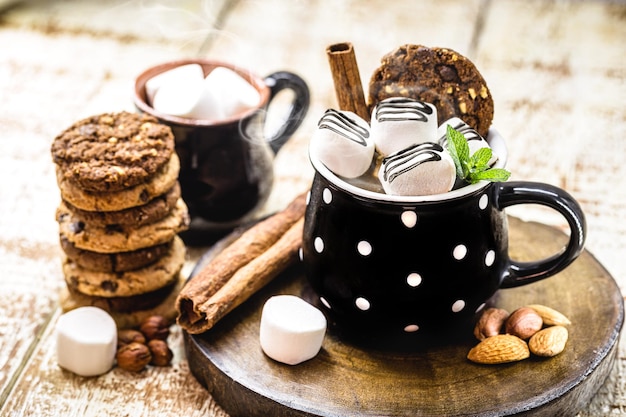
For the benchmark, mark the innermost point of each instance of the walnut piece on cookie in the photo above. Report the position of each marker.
(439, 76)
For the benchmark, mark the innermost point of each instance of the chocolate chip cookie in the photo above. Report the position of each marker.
(128, 312)
(124, 284)
(124, 238)
(114, 262)
(134, 196)
(153, 210)
(112, 151)
(439, 76)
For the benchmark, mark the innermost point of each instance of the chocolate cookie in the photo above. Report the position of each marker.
(125, 284)
(118, 307)
(439, 76)
(112, 151)
(121, 239)
(114, 262)
(155, 209)
(137, 195)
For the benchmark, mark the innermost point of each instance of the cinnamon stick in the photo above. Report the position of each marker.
(249, 279)
(347, 80)
(250, 245)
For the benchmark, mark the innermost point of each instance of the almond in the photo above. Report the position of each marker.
(490, 323)
(549, 341)
(523, 323)
(550, 316)
(497, 349)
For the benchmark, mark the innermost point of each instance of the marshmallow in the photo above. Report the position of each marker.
(175, 75)
(422, 169)
(233, 93)
(474, 140)
(86, 341)
(342, 142)
(291, 330)
(399, 122)
(187, 94)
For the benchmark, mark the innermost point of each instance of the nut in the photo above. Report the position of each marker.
(127, 336)
(490, 323)
(472, 93)
(550, 316)
(462, 107)
(161, 353)
(502, 348)
(549, 341)
(155, 327)
(133, 357)
(523, 323)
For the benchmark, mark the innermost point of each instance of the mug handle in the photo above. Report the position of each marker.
(278, 82)
(524, 192)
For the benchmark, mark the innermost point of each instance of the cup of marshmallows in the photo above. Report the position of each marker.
(404, 144)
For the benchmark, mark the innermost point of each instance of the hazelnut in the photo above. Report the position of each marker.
(155, 327)
(490, 323)
(133, 357)
(161, 353)
(523, 323)
(127, 336)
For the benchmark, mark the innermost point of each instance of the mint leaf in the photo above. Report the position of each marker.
(459, 150)
(480, 159)
(472, 168)
(492, 174)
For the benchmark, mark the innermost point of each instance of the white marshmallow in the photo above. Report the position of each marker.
(342, 142)
(422, 169)
(291, 330)
(399, 122)
(188, 97)
(174, 75)
(474, 140)
(86, 341)
(234, 94)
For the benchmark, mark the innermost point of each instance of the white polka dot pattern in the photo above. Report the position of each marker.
(364, 248)
(459, 252)
(458, 306)
(409, 218)
(411, 328)
(319, 245)
(483, 202)
(490, 258)
(414, 279)
(327, 196)
(362, 303)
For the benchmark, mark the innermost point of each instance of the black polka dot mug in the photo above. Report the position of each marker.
(401, 269)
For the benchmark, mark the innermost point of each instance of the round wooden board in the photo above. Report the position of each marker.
(344, 379)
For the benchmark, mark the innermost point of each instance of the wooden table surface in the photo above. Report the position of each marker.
(556, 69)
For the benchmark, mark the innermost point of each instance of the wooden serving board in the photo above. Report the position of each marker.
(348, 380)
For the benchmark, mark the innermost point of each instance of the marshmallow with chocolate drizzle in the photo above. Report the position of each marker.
(399, 122)
(421, 169)
(474, 140)
(342, 142)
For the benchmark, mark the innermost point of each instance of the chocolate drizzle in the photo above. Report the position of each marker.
(410, 158)
(399, 109)
(465, 129)
(345, 126)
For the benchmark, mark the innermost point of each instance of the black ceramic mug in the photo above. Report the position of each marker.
(395, 268)
(226, 170)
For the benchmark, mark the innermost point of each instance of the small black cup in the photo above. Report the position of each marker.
(226, 171)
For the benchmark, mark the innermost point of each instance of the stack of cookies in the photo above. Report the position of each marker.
(120, 215)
